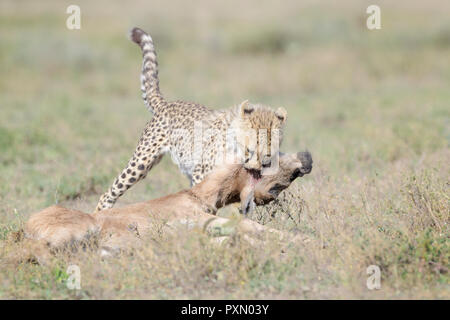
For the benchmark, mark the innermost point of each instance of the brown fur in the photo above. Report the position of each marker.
(114, 229)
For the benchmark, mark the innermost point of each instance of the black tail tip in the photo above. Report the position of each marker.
(136, 35)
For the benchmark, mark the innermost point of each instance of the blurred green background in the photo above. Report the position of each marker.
(71, 112)
(70, 106)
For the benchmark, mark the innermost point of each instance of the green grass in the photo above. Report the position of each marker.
(371, 106)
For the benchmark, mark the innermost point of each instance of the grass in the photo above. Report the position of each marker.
(371, 106)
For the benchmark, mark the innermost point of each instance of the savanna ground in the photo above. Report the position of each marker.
(371, 106)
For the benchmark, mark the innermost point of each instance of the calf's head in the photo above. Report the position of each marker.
(291, 166)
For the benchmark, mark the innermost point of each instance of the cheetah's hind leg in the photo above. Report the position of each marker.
(149, 152)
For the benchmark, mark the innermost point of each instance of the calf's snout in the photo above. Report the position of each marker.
(306, 161)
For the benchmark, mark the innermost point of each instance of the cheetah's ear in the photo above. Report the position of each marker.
(281, 114)
(245, 108)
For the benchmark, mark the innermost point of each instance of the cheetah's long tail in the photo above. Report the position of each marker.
(149, 76)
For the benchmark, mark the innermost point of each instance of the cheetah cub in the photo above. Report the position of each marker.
(198, 138)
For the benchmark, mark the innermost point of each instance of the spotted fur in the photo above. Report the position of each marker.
(173, 126)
